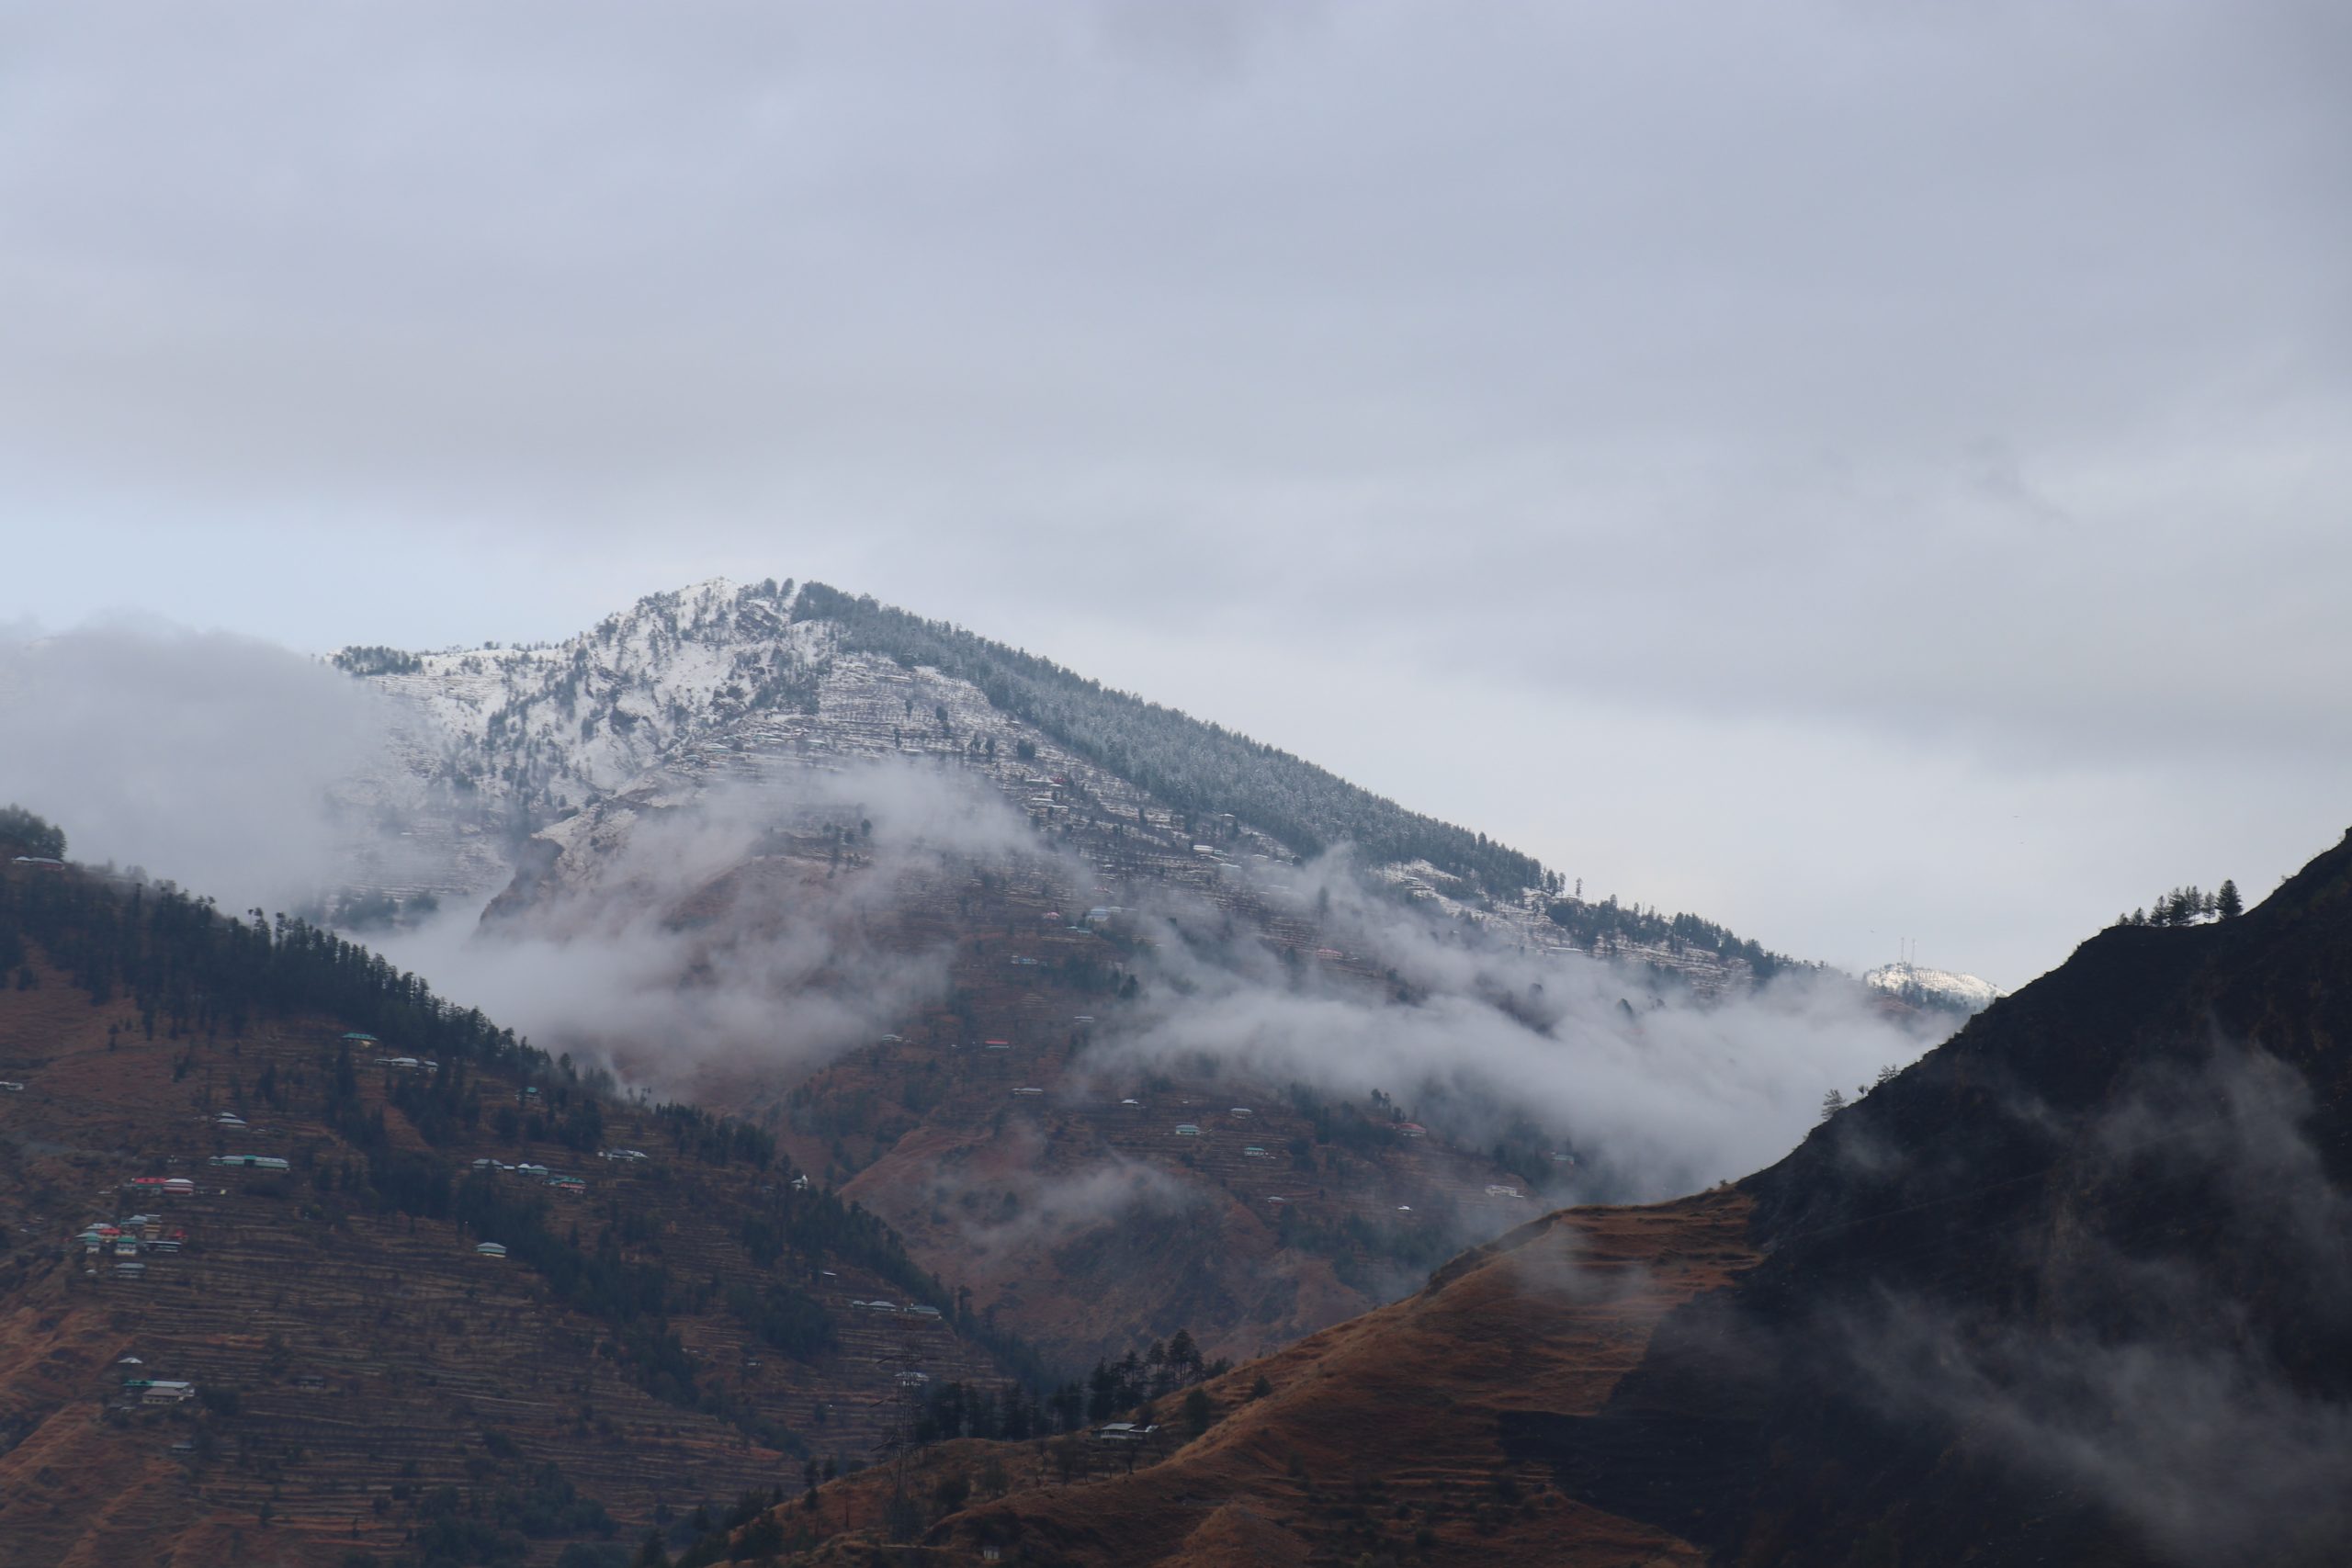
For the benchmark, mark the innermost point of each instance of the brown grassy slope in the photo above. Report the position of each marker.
(1082, 1232)
(1086, 1226)
(1379, 1436)
(371, 1357)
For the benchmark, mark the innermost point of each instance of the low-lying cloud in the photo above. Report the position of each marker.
(202, 757)
(1656, 1090)
(2165, 1388)
(694, 930)
(701, 933)
(1019, 1205)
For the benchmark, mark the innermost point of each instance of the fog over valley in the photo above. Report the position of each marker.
(1168, 783)
(655, 934)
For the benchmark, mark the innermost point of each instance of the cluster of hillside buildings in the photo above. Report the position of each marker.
(563, 1186)
(140, 1388)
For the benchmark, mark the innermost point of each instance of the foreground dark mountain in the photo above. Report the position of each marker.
(2071, 1290)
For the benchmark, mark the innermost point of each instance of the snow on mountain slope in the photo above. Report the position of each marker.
(715, 685)
(722, 684)
(558, 727)
(1943, 988)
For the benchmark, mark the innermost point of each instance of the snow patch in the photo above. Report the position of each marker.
(1923, 987)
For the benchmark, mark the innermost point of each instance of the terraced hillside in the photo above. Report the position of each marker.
(1379, 1439)
(2069, 1290)
(886, 954)
(674, 1329)
(1003, 1122)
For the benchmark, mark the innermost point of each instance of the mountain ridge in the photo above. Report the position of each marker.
(510, 740)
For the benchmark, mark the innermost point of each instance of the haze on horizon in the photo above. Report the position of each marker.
(1856, 474)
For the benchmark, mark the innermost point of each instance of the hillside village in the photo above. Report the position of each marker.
(318, 1286)
(307, 1284)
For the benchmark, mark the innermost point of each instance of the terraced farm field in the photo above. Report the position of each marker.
(354, 1369)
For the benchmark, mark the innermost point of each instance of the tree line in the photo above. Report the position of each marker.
(1597, 927)
(1190, 765)
(22, 833)
(1132, 1382)
(2188, 907)
(192, 970)
(376, 659)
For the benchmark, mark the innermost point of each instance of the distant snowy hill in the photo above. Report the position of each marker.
(723, 684)
(1940, 989)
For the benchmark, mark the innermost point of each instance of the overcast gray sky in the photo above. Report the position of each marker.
(1855, 470)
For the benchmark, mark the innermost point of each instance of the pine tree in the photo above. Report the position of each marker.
(1832, 1103)
(2226, 903)
(27, 834)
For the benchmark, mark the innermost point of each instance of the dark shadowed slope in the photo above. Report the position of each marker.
(2073, 1290)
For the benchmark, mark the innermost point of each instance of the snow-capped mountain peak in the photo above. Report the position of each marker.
(1944, 989)
(725, 684)
(558, 724)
